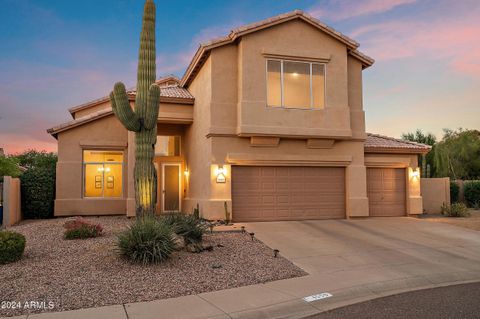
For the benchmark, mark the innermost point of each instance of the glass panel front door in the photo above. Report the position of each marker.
(171, 187)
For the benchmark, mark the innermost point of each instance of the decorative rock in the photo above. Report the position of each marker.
(179, 242)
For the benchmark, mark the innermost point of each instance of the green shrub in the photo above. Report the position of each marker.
(148, 240)
(454, 191)
(188, 226)
(81, 229)
(456, 210)
(12, 245)
(472, 193)
(38, 183)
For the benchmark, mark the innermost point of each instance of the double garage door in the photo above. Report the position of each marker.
(268, 193)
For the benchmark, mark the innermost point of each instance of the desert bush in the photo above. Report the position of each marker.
(81, 229)
(188, 226)
(456, 210)
(12, 245)
(454, 191)
(472, 193)
(148, 240)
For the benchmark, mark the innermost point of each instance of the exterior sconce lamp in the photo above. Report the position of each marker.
(275, 253)
(220, 172)
(186, 172)
(252, 235)
(416, 173)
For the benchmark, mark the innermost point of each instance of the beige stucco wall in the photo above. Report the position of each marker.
(255, 118)
(196, 146)
(231, 106)
(92, 109)
(105, 133)
(12, 211)
(410, 163)
(435, 193)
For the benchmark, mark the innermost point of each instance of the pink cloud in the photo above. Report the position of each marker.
(341, 10)
(17, 143)
(453, 40)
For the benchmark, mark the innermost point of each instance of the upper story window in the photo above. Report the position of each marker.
(167, 145)
(102, 171)
(295, 84)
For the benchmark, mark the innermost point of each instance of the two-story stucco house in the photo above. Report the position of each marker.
(268, 119)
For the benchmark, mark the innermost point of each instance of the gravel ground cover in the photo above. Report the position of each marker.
(83, 273)
(471, 222)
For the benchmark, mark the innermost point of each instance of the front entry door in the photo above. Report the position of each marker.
(171, 187)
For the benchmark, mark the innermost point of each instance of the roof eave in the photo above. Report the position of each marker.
(396, 150)
(365, 59)
(235, 34)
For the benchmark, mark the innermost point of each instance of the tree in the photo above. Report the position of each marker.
(34, 159)
(425, 161)
(457, 155)
(142, 120)
(9, 167)
(420, 137)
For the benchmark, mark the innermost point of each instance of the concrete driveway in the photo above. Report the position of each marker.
(361, 259)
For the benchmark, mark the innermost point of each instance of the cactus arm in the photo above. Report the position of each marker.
(151, 113)
(121, 108)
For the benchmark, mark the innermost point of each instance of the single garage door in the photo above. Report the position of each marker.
(386, 191)
(267, 193)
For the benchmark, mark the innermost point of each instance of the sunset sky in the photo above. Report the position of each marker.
(56, 54)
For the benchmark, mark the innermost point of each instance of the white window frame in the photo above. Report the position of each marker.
(282, 99)
(103, 173)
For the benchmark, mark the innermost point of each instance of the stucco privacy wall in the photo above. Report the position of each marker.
(410, 163)
(12, 213)
(104, 134)
(435, 193)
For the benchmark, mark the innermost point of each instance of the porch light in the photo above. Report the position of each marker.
(220, 172)
(275, 253)
(252, 235)
(416, 173)
(186, 172)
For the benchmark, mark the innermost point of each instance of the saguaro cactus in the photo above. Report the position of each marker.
(142, 120)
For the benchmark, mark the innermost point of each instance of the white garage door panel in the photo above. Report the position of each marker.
(287, 193)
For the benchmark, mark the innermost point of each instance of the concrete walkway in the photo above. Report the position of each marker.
(353, 260)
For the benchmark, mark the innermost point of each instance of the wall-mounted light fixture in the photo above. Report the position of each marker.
(220, 172)
(186, 172)
(416, 173)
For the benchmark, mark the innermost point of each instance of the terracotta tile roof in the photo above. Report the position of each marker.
(234, 34)
(379, 143)
(171, 93)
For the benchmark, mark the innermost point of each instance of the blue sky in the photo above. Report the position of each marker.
(56, 54)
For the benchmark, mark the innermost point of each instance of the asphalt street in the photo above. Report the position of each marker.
(452, 302)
